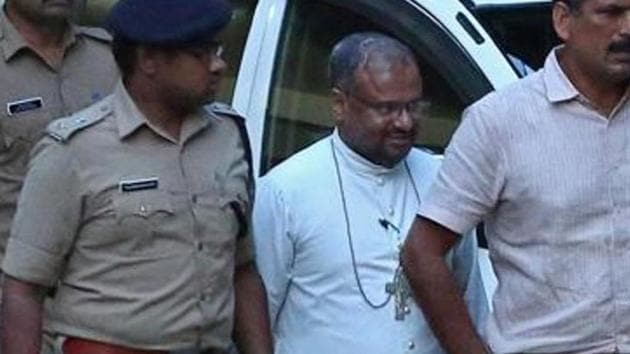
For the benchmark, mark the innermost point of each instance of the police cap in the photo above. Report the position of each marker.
(168, 22)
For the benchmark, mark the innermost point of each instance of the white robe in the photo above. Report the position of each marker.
(304, 258)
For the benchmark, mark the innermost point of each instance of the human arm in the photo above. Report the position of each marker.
(21, 317)
(467, 188)
(435, 288)
(42, 234)
(251, 319)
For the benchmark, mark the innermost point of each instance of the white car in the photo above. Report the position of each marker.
(278, 51)
(281, 84)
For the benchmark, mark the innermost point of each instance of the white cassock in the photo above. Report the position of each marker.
(304, 257)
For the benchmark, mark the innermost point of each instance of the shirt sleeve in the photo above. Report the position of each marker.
(47, 218)
(471, 178)
(273, 244)
(244, 242)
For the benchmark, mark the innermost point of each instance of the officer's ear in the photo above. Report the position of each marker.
(563, 17)
(338, 104)
(147, 60)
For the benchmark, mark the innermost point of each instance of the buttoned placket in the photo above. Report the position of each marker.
(61, 73)
(390, 186)
(616, 150)
(196, 242)
(383, 186)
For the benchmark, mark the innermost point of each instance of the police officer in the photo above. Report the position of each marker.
(137, 207)
(49, 68)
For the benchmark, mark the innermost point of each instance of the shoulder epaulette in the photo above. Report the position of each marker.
(95, 33)
(62, 129)
(224, 108)
(227, 110)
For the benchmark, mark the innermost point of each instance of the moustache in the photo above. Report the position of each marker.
(622, 46)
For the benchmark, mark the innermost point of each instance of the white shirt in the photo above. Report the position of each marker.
(304, 257)
(551, 177)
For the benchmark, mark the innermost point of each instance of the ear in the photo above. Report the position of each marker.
(338, 104)
(562, 18)
(147, 60)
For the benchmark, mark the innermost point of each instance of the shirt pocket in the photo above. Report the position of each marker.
(29, 125)
(18, 135)
(568, 272)
(145, 221)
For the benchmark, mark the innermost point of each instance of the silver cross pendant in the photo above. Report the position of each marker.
(399, 288)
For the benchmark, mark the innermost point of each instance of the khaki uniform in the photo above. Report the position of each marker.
(142, 232)
(34, 93)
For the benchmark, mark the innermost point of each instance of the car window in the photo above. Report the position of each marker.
(233, 37)
(524, 32)
(299, 108)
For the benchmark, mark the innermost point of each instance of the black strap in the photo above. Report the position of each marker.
(240, 214)
(242, 129)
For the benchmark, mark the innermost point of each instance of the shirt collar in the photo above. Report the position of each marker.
(558, 86)
(358, 163)
(11, 41)
(129, 117)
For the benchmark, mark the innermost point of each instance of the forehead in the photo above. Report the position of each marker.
(600, 3)
(389, 78)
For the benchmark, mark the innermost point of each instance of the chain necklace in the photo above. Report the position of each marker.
(349, 232)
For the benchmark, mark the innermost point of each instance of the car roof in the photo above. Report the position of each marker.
(477, 3)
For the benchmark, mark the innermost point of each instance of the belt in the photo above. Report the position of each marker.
(73, 345)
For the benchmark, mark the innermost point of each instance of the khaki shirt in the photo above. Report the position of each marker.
(34, 93)
(139, 230)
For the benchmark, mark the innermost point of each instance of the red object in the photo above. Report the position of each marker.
(86, 346)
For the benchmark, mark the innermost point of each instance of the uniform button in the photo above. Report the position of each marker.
(80, 120)
(411, 345)
(380, 181)
(390, 211)
(200, 246)
(143, 209)
(407, 310)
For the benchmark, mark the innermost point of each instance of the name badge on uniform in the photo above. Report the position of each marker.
(138, 184)
(25, 105)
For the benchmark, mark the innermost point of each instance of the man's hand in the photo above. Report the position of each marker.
(435, 288)
(20, 331)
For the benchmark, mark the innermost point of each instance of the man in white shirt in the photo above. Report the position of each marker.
(544, 162)
(330, 221)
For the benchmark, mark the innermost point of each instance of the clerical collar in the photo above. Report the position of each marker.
(358, 163)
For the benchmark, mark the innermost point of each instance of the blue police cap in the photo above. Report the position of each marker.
(168, 22)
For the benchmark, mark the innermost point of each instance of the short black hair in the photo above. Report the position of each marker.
(354, 50)
(573, 4)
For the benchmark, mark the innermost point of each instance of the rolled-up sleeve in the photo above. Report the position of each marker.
(47, 218)
(273, 244)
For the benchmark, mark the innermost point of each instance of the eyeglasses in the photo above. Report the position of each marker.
(213, 48)
(416, 108)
